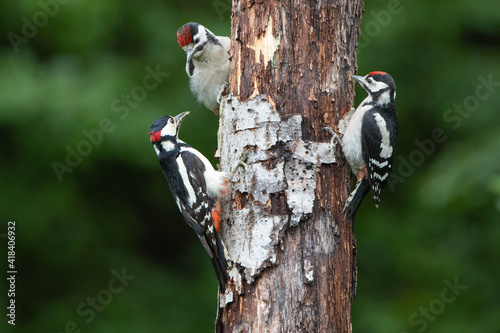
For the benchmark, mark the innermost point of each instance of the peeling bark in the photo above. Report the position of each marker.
(293, 250)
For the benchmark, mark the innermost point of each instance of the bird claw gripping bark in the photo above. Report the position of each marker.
(223, 91)
(242, 161)
(335, 137)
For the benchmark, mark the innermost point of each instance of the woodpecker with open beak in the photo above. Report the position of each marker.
(196, 187)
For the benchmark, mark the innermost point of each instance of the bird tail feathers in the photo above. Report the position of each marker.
(220, 263)
(354, 201)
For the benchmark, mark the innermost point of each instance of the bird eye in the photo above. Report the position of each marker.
(196, 40)
(370, 80)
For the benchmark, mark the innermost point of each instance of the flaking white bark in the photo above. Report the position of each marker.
(293, 249)
(280, 162)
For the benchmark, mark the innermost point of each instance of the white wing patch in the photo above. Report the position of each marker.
(214, 179)
(191, 196)
(385, 145)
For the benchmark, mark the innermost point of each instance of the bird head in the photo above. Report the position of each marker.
(166, 128)
(193, 38)
(379, 85)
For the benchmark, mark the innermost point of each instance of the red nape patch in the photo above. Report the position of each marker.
(216, 216)
(184, 36)
(155, 136)
(377, 72)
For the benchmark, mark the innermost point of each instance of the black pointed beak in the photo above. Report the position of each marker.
(357, 78)
(180, 117)
(361, 81)
(189, 55)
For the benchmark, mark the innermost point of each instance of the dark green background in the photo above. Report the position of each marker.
(439, 224)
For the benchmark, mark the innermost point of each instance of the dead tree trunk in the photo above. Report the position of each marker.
(294, 252)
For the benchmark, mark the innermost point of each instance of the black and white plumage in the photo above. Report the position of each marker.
(207, 63)
(195, 186)
(368, 142)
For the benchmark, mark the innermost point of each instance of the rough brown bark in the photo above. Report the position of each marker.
(294, 252)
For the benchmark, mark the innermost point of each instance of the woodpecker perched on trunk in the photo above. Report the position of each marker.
(368, 141)
(196, 187)
(207, 63)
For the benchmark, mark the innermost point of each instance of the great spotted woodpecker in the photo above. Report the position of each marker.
(368, 141)
(195, 186)
(207, 63)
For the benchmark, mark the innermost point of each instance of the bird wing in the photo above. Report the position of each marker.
(199, 215)
(378, 137)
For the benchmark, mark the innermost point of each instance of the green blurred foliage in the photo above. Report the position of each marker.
(438, 223)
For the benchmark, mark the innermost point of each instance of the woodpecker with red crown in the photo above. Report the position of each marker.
(368, 141)
(207, 63)
(196, 187)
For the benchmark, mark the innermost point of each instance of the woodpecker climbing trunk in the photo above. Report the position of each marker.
(294, 253)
